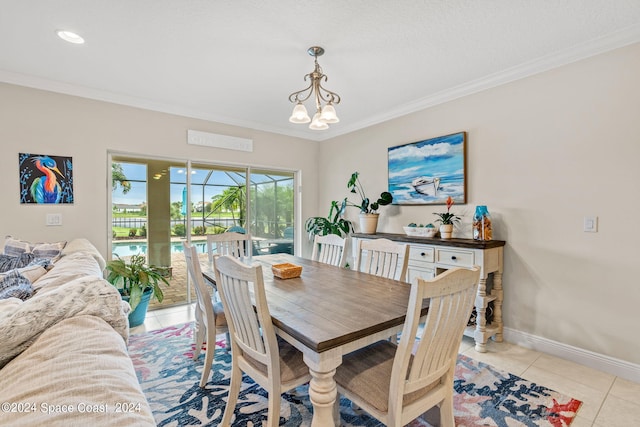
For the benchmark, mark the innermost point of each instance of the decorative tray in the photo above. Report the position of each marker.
(420, 231)
(286, 270)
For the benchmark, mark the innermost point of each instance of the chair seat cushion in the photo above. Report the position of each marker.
(218, 310)
(292, 365)
(367, 373)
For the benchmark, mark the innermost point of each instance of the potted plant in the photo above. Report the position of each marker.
(334, 223)
(368, 209)
(137, 282)
(447, 220)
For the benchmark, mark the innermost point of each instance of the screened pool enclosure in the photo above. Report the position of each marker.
(157, 202)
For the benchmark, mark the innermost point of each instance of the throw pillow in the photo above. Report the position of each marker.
(48, 250)
(15, 247)
(15, 285)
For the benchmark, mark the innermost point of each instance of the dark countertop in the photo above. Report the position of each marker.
(459, 243)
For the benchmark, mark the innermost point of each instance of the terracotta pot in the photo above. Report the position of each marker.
(446, 230)
(368, 223)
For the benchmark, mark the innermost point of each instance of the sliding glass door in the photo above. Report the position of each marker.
(157, 203)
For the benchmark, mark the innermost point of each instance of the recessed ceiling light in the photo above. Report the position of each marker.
(70, 36)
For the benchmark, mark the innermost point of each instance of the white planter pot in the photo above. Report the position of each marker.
(368, 223)
(446, 230)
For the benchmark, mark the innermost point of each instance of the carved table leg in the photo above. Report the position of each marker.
(323, 391)
(497, 309)
(481, 320)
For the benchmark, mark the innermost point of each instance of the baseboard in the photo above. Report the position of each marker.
(617, 367)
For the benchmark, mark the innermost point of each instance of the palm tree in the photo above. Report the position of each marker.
(231, 199)
(118, 178)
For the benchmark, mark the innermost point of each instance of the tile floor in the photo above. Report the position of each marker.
(608, 401)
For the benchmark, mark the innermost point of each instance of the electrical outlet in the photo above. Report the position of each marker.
(54, 219)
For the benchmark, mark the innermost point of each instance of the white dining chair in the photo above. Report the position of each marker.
(384, 258)
(231, 243)
(210, 317)
(397, 383)
(273, 363)
(329, 249)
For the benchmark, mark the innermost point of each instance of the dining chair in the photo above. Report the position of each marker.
(329, 249)
(210, 317)
(272, 363)
(384, 258)
(397, 383)
(227, 243)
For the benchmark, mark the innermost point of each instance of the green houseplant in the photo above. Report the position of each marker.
(366, 205)
(368, 208)
(447, 220)
(334, 223)
(137, 282)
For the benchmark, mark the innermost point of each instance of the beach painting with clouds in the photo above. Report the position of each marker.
(428, 172)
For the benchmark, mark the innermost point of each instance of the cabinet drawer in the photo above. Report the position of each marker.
(455, 257)
(414, 272)
(421, 253)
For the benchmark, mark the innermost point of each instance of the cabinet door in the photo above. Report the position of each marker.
(414, 271)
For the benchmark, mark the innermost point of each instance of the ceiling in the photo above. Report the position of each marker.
(236, 62)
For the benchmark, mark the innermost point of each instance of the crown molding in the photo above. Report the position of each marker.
(618, 39)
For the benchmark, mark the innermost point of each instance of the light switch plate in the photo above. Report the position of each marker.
(591, 224)
(54, 219)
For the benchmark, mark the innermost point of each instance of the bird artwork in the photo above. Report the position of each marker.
(46, 189)
(42, 181)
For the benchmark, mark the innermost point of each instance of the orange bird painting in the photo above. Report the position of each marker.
(45, 179)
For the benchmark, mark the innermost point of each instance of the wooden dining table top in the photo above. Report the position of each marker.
(327, 306)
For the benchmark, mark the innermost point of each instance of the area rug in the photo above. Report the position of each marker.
(484, 396)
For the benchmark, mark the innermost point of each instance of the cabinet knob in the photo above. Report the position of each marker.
(453, 257)
(422, 254)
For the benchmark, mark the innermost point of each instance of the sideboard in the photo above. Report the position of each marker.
(431, 256)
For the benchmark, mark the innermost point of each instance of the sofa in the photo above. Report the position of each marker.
(63, 341)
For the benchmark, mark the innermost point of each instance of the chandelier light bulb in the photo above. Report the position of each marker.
(299, 114)
(317, 124)
(328, 114)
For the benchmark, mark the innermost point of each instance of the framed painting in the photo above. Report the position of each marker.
(428, 172)
(45, 179)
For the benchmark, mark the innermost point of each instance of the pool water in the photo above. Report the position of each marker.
(140, 248)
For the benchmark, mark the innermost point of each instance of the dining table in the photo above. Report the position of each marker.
(326, 313)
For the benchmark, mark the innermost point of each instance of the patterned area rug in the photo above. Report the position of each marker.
(169, 377)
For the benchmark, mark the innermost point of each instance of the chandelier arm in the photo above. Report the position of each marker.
(328, 96)
(296, 97)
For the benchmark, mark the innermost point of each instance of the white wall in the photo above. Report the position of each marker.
(543, 152)
(40, 122)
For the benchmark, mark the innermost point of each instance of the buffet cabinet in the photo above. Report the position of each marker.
(431, 256)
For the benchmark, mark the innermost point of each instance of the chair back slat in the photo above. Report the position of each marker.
(384, 258)
(329, 249)
(231, 243)
(451, 297)
(251, 329)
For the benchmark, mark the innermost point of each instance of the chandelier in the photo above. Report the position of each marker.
(324, 114)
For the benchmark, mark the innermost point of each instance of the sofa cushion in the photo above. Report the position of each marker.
(68, 268)
(80, 362)
(15, 285)
(33, 272)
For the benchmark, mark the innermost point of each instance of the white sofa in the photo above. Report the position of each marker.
(63, 351)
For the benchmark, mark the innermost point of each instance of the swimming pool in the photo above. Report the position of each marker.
(135, 248)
